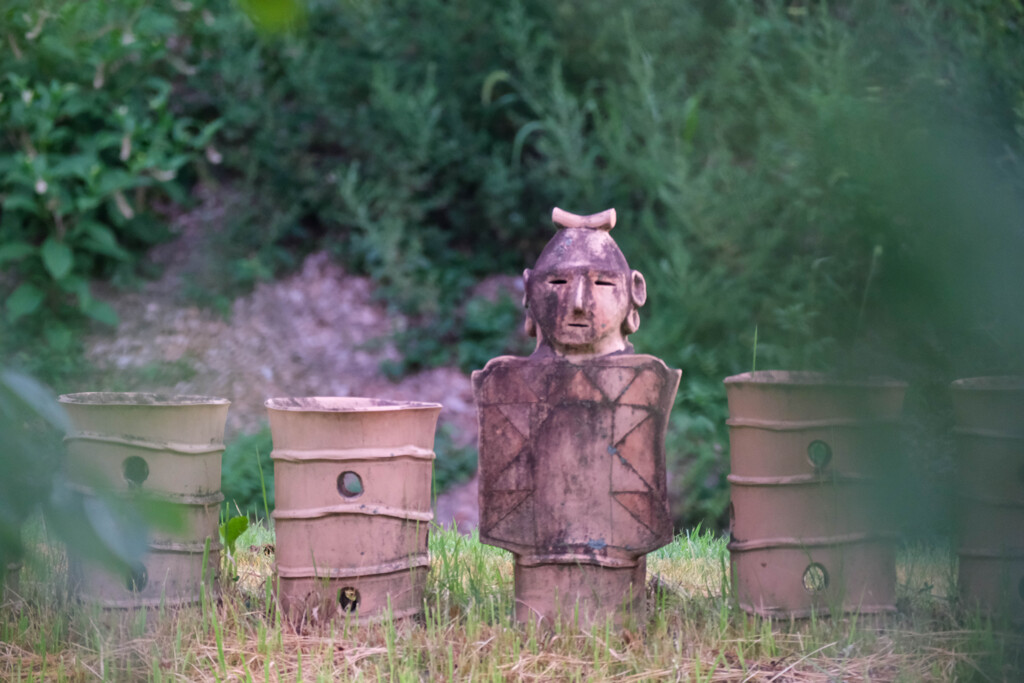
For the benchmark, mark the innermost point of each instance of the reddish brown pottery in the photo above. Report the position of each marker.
(158, 447)
(809, 527)
(990, 515)
(572, 459)
(352, 487)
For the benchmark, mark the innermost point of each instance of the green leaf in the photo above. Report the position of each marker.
(118, 525)
(101, 311)
(15, 251)
(23, 301)
(57, 257)
(493, 79)
(77, 165)
(101, 239)
(231, 530)
(36, 397)
(274, 16)
(58, 336)
(19, 200)
(691, 112)
(112, 180)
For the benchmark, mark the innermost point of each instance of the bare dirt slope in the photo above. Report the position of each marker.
(318, 332)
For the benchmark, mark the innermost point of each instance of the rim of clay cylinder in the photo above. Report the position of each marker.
(809, 378)
(990, 383)
(139, 398)
(344, 404)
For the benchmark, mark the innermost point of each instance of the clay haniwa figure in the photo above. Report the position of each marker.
(581, 297)
(572, 456)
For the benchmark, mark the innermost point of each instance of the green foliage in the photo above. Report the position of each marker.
(91, 140)
(845, 177)
(696, 456)
(247, 474)
(103, 528)
(468, 337)
(828, 175)
(366, 133)
(454, 464)
(490, 328)
(230, 530)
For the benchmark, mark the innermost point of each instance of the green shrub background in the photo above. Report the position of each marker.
(840, 181)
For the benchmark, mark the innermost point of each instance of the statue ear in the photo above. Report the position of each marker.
(638, 288)
(530, 325)
(632, 322)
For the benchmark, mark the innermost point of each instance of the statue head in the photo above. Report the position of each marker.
(581, 296)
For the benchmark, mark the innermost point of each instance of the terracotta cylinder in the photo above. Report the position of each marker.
(161, 447)
(810, 524)
(352, 487)
(989, 431)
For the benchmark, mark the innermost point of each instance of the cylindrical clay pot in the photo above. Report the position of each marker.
(810, 459)
(990, 515)
(163, 447)
(352, 487)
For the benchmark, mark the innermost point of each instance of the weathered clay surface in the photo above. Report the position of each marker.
(990, 510)
(811, 529)
(352, 486)
(165, 447)
(581, 297)
(572, 459)
(165, 577)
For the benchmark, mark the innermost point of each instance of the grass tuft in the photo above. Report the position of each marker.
(694, 631)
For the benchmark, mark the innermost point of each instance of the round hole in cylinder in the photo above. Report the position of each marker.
(135, 470)
(136, 578)
(815, 578)
(348, 599)
(350, 484)
(819, 453)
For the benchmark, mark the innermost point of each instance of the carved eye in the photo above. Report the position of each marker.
(604, 283)
(557, 281)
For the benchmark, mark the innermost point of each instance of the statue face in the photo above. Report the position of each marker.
(582, 298)
(580, 310)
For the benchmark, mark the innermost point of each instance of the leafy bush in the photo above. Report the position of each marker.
(826, 175)
(454, 464)
(365, 133)
(91, 141)
(842, 178)
(775, 167)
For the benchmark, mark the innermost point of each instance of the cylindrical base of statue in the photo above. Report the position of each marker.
(579, 594)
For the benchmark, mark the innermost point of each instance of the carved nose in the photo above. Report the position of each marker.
(579, 294)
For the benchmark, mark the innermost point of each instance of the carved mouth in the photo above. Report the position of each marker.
(578, 325)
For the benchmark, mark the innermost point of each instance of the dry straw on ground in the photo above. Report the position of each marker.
(694, 633)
